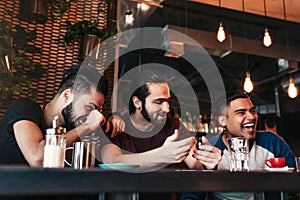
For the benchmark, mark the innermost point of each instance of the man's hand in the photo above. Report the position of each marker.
(176, 151)
(117, 123)
(208, 155)
(95, 120)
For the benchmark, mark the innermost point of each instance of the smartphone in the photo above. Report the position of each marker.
(198, 137)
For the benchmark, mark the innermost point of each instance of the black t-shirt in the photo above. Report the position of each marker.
(21, 109)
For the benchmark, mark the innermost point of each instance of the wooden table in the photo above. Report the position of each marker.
(25, 180)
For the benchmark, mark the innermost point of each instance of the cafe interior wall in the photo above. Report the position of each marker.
(56, 58)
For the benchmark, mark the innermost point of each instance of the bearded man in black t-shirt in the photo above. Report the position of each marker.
(77, 104)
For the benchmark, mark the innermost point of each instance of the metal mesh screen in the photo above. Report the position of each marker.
(56, 57)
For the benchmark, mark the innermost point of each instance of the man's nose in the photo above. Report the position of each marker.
(251, 115)
(166, 107)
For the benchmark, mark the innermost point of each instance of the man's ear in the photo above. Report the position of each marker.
(221, 120)
(137, 103)
(67, 95)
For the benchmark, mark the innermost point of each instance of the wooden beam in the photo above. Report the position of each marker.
(237, 44)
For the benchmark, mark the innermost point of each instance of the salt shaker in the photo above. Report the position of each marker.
(55, 144)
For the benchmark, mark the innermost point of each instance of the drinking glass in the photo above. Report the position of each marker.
(297, 164)
(239, 154)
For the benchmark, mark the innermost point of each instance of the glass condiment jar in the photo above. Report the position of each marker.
(55, 145)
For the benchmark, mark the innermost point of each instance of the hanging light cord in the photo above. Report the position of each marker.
(243, 5)
(186, 17)
(219, 10)
(286, 32)
(284, 11)
(244, 30)
(265, 8)
(245, 35)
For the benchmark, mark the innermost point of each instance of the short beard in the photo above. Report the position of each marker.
(145, 113)
(67, 113)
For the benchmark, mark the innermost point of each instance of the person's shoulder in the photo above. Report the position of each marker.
(273, 143)
(22, 103)
(266, 138)
(23, 108)
(267, 135)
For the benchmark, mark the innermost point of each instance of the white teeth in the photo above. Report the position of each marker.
(248, 125)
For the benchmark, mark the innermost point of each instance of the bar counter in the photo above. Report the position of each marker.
(24, 180)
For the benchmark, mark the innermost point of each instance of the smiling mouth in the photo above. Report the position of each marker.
(163, 116)
(248, 126)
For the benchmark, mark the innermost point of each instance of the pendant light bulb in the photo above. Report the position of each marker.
(144, 7)
(267, 38)
(248, 85)
(221, 36)
(292, 90)
(129, 19)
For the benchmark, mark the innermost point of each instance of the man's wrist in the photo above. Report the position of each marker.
(116, 113)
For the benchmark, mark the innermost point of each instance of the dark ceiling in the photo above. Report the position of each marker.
(264, 70)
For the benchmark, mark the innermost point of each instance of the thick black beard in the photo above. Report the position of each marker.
(145, 113)
(148, 118)
(67, 114)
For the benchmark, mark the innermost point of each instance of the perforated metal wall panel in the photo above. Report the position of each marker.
(56, 57)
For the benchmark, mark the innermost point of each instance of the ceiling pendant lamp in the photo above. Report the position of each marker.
(144, 7)
(248, 85)
(292, 90)
(267, 41)
(129, 17)
(221, 35)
